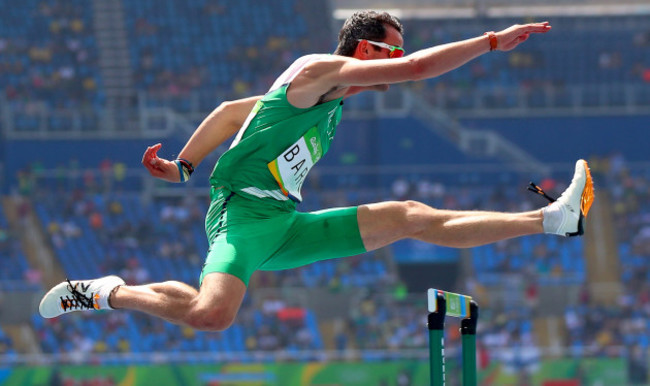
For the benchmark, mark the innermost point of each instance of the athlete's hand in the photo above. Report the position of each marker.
(159, 167)
(511, 37)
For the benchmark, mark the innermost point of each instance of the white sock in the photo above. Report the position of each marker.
(553, 219)
(104, 294)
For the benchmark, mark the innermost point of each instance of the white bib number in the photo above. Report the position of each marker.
(292, 166)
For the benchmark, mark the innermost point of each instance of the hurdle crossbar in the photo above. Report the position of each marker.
(441, 304)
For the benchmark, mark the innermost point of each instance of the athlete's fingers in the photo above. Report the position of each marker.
(158, 167)
(151, 164)
(516, 30)
(147, 154)
(150, 157)
(155, 148)
(538, 27)
(151, 152)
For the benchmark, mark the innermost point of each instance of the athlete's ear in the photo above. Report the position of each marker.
(363, 50)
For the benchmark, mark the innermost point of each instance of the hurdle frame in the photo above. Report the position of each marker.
(436, 327)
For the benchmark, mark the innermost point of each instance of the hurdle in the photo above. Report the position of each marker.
(441, 304)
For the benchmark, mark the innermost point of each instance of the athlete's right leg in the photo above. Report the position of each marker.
(212, 308)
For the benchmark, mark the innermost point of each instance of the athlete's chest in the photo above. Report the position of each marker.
(291, 166)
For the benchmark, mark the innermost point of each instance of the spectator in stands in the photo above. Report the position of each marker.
(252, 222)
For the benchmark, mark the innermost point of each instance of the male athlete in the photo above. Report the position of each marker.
(252, 223)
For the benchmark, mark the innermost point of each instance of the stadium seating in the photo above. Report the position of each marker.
(215, 51)
(49, 54)
(202, 46)
(555, 261)
(6, 347)
(577, 51)
(14, 268)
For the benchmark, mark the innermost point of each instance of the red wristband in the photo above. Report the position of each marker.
(493, 40)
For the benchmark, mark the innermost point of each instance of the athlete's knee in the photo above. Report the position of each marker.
(211, 318)
(415, 217)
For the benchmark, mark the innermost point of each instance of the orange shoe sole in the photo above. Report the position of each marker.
(588, 193)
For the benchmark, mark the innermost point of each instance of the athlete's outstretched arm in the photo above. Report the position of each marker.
(338, 71)
(216, 128)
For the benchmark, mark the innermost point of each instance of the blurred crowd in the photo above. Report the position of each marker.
(189, 54)
(545, 65)
(237, 52)
(48, 55)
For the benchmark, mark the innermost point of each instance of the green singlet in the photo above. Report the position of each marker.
(252, 223)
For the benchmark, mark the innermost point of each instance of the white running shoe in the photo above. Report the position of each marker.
(565, 216)
(78, 295)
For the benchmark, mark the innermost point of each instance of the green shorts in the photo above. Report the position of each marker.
(245, 235)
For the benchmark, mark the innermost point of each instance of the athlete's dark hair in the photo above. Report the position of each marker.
(369, 25)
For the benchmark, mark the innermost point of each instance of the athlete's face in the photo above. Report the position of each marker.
(369, 51)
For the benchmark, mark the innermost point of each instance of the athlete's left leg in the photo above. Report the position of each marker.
(384, 223)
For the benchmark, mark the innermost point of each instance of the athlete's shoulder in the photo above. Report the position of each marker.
(298, 66)
(318, 65)
(313, 61)
(313, 58)
(325, 58)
